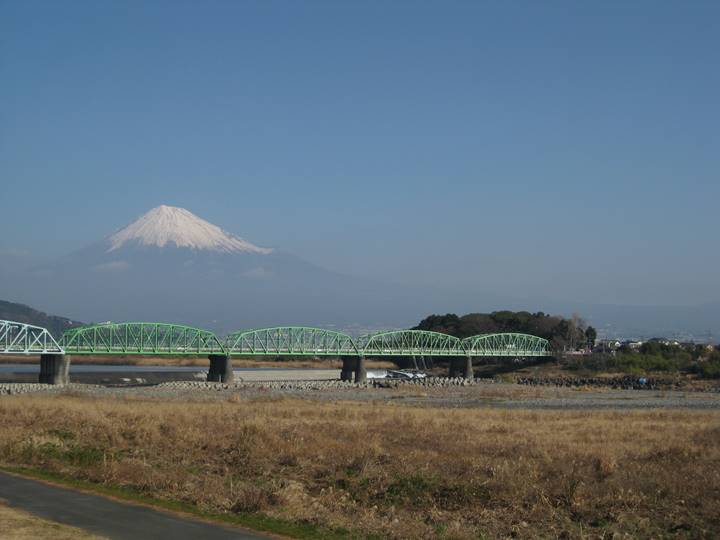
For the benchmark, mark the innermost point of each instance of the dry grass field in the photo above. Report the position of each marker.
(18, 525)
(378, 469)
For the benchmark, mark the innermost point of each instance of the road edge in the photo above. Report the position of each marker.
(254, 523)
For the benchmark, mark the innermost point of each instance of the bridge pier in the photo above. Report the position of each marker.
(461, 366)
(360, 371)
(454, 367)
(54, 369)
(348, 368)
(220, 368)
(468, 368)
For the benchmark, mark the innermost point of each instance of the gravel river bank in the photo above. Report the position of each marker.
(431, 392)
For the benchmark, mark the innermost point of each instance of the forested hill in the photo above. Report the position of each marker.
(11, 311)
(562, 333)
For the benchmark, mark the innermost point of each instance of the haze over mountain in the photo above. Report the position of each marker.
(11, 311)
(171, 265)
(556, 157)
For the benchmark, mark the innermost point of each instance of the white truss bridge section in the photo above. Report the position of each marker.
(21, 338)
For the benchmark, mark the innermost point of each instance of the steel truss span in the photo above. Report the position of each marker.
(506, 344)
(291, 341)
(21, 338)
(172, 339)
(410, 343)
(141, 338)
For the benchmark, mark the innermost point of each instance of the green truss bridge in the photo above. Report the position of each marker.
(141, 338)
(149, 338)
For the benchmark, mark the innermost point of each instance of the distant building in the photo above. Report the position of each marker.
(664, 341)
(633, 345)
(606, 345)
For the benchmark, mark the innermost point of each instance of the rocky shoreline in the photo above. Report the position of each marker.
(627, 382)
(615, 383)
(436, 391)
(23, 388)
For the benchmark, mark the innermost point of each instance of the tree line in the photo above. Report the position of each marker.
(653, 356)
(563, 334)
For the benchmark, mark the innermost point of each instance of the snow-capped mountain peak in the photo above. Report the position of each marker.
(171, 225)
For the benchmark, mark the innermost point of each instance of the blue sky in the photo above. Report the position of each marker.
(542, 149)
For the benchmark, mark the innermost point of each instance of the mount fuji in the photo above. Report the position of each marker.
(166, 225)
(170, 265)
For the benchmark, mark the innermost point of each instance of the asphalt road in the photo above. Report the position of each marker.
(108, 517)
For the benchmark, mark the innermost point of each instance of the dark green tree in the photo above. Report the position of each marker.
(562, 333)
(590, 336)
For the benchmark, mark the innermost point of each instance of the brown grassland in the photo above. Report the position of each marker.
(19, 525)
(385, 470)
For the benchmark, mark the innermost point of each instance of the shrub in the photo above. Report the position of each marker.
(635, 363)
(710, 368)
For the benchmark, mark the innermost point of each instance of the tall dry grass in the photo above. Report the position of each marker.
(399, 472)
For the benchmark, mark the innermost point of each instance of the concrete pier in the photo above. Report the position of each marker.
(220, 368)
(360, 371)
(54, 369)
(468, 369)
(454, 368)
(348, 368)
(461, 367)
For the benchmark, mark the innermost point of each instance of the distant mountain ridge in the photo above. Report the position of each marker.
(172, 266)
(11, 311)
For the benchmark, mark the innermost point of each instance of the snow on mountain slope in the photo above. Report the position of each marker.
(171, 225)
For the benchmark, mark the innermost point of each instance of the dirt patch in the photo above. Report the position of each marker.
(19, 525)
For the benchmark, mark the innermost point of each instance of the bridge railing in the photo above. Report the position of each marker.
(21, 338)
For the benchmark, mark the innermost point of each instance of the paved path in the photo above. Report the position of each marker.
(108, 517)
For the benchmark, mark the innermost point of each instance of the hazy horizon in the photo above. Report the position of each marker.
(559, 153)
